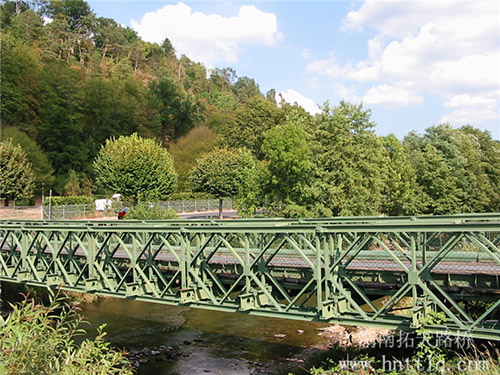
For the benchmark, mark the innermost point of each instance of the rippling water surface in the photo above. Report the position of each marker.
(209, 341)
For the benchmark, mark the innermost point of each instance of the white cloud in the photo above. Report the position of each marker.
(362, 72)
(391, 96)
(470, 101)
(314, 82)
(208, 38)
(399, 19)
(326, 67)
(347, 93)
(305, 53)
(472, 109)
(470, 115)
(292, 97)
(470, 73)
(445, 49)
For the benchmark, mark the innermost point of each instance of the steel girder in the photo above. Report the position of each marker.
(330, 270)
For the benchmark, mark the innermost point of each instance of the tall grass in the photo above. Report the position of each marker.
(38, 339)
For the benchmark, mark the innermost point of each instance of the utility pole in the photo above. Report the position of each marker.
(50, 204)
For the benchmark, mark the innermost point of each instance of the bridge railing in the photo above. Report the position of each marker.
(367, 271)
(445, 219)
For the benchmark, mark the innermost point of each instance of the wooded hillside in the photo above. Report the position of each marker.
(70, 80)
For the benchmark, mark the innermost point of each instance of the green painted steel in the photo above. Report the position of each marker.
(373, 271)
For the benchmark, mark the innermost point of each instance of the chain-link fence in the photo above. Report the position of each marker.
(20, 212)
(197, 205)
(80, 211)
(89, 211)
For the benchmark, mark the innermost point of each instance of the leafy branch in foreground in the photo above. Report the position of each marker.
(37, 339)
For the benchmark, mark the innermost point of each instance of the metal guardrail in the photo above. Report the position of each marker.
(449, 219)
(332, 270)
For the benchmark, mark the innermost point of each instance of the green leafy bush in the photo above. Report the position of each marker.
(25, 202)
(64, 201)
(37, 339)
(150, 211)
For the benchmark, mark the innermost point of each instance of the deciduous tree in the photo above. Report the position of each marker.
(61, 131)
(225, 173)
(288, 157)
(16, 175)
(138, 168)
(42, 169)
(350, 161)
(187, 149)
(401, 193)
(253, 119)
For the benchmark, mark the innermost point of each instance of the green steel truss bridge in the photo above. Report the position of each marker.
(385, 272)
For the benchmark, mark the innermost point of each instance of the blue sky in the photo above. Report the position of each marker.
(413, 63)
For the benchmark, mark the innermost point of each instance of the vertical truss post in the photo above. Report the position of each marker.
(24, 251)
(317, 272)
(328, 249)
(421, 241)
(420, 303)
(415, 245)
(185, 259)
(91, 253)
(133, 260)
(247, 270)
(200, 259)
(259, 245)
(54, 249)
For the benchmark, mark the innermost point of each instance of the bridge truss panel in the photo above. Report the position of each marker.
(373, 272)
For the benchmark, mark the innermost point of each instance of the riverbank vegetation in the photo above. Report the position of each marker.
(481, 360)
(72, 82)
(342, 361)
(376, 351)
(363, 350)
(40, 339)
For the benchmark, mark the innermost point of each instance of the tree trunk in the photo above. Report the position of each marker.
(220, 208)
(6, 202)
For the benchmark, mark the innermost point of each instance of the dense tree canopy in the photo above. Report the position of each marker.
(187, 149)
(351, 160)
(289, 162)
(452, 170)
(401, 193)
(252, 120)
(73, 83)
(223, 173)
(175, 116)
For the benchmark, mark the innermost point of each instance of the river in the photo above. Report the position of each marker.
(204, 341)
